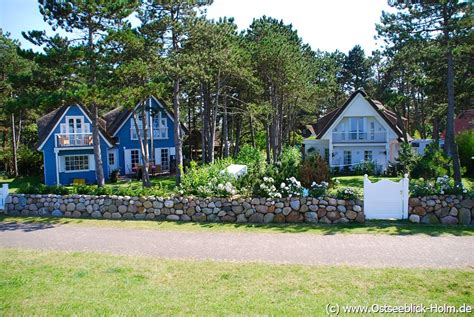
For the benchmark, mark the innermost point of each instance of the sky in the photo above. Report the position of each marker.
(324, 25)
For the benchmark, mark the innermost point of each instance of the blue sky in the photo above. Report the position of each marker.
(325, 25)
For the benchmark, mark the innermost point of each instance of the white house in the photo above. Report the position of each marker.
(360, 130)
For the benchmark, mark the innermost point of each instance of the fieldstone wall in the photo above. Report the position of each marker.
(447, 209)
(233, 210)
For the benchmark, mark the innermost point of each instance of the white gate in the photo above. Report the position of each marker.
(3, 196)
(386, 199)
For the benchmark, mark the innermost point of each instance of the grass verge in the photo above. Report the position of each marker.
(370, 227)
(55, 283)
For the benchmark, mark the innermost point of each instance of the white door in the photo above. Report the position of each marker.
(162, 158)
(386, 199)
(132, 159)
(112, 159)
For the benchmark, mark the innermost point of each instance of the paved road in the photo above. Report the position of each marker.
(295, 248)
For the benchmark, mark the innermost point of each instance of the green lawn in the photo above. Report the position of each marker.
(358, 181)
(55, 283)
(370, 227)
(14, 184)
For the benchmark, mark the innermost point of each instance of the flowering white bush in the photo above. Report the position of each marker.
(268, 188)
(319, 190)
(442, 186)
(347, 193)
(291, 188)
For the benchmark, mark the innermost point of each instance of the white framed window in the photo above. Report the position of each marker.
(134, 157)
(76, 163)
(160, 127)
(165, 163)
(347, 157)
(372, 130)
(133, 130)
(111, 158)
(357, 130)
(368, 156)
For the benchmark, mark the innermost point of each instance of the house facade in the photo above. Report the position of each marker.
(65, 138)
(361, 130)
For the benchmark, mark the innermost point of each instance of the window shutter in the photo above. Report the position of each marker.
(62, 164)
(62, 128)
(172, 151)
(91, 163)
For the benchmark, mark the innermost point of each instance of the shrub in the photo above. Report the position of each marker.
(291, 188)
(267, 188)
(465, 143)
(347, 193)
(290, 161)
(252, 157)
(433, 164)
(319, 190)
(314, 169)
(43, 189)
(442, 186)
(366, 167)
(407, 159)
(207, 180)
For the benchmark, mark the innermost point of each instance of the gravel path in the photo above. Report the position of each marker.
(296, 248)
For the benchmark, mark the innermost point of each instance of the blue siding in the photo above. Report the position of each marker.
(50, 156)
(125, 141)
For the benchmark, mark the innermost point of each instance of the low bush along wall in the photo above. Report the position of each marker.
(447, 209)
(236, 210)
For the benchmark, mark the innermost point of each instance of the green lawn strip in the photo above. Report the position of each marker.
(167, 183)
(370, 227)
(61, 283)
(358, 181)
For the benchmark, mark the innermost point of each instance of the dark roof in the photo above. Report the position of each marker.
(322, 125)
(114, 118)
(47, 122)
(108, 124)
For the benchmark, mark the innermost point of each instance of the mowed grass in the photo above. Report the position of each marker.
(358, 181)
(369, 227)
(167, 183)
(54, 283)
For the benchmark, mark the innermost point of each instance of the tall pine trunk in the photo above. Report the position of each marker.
(177, 131)
(14, 147)
(225, 129)
(99, 168)
(450, 148)
(143, 141)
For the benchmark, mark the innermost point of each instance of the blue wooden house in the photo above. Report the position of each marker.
(65, 138)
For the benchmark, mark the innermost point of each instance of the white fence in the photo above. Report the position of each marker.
(3, 196)
(386, 199)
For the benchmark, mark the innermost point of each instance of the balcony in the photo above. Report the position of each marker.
(158, 133)
(73, 139)
(359, 137)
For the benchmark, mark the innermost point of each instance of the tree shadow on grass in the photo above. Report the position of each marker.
(388, 227)
(370, 227)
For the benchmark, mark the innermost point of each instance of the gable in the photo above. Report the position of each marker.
(362, 105)
(50, 123)
(120, 118)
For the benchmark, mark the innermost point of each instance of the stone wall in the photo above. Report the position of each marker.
(447, 209)
(236, 210)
